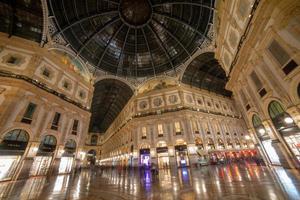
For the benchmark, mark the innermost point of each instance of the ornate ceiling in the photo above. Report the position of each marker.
(206, 73)
(133, 38)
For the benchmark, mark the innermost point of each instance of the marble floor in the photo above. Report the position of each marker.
(235, 181)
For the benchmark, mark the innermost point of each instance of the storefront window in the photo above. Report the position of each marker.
(16, 139)
(210, 144)
(14, 145)
(65, 165)
(182, 156)
(199, 143)
(8, 166)
(237, 143)
(91, 157)
(145, 159)
(286, 126)
(70, 146)
(229, 143)
(221, 144)
(44, 156)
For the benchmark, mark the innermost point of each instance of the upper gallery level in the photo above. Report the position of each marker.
(50, 69)
(161, 95)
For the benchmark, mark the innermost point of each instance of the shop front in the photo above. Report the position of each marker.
(217, 157)
(182, 158)
(237, 143)
(145, 158)
(91, 157)
(67, 159)
(44, 157)
(287, 128)
(221, 144)
(12, 148)
(163, 157)
(229, 144)
(199, 144)
(270, 147)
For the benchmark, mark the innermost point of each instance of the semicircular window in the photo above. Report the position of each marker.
(70, 146)
(133, 38)
(48, 144)
(16, 139)
(206, 73)
(110, 97)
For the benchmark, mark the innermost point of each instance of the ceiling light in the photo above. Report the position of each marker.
(262, 131)
(288, 120)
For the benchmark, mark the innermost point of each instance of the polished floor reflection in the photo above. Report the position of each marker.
(235, 181)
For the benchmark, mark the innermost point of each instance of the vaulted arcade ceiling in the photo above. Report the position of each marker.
(110, 97)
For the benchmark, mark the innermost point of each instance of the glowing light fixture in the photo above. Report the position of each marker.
(262, 131)
(288, 120)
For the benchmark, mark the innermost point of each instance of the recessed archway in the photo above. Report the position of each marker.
(110, 97)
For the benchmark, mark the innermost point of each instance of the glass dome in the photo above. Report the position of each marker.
(133, 38)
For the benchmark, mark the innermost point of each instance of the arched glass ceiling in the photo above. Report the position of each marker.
(133, 38)
(205, 72)
(110, 97)
(22, 18)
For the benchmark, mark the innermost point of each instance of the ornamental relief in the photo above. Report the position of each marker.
(189, 98)
(173, 99)
(157, 102)
(142, 105)
(9, 58)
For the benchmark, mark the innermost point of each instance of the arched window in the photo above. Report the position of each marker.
(49, 140)
(16, 139)
(256, 121)
(259, 128)
(210, 143)
(94, 140)
(199, 143)
(275, 109)
(229, 143)
(237, 143)
(221, 144)
(48, 143)
(70, 146)
(286, 127)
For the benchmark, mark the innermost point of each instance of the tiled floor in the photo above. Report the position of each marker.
(236, 181)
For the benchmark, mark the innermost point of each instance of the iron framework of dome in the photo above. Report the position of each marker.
(133, 38)
(205, 72)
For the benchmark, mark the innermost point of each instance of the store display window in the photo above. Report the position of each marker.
(12, 147)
